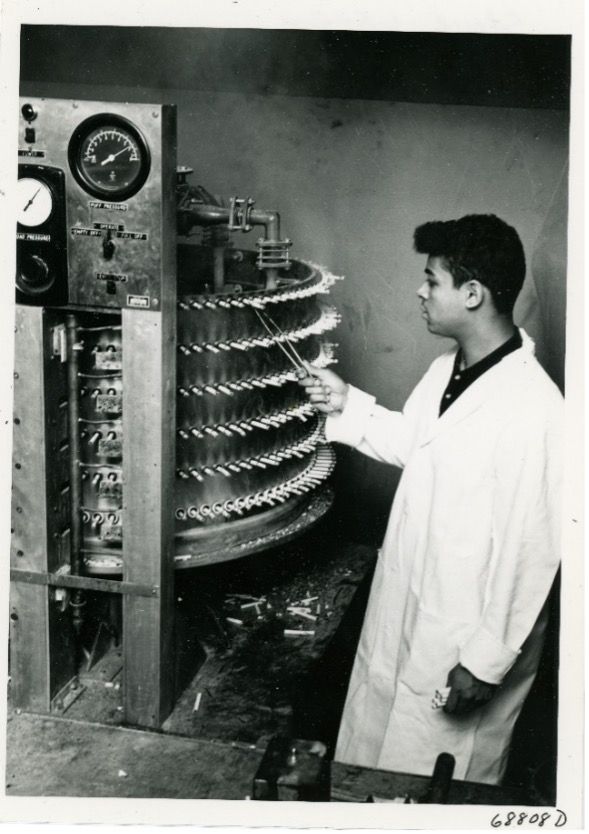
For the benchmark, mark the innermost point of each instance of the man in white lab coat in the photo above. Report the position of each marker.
(472, 546)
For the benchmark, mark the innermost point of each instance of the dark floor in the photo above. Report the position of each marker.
(242, 680)
(61, 757)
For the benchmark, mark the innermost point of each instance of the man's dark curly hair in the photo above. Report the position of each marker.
(481, 247)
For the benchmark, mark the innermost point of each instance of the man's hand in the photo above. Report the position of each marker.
(325, 390)
(467, 693)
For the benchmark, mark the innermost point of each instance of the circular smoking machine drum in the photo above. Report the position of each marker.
(251, 461)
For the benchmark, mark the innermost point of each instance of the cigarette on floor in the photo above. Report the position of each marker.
(304, 614)
(295, 632)
(197, 702)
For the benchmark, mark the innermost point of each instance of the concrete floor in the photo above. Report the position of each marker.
(252, 683)
(62, 757)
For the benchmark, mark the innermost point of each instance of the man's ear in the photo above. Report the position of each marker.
(475, 294)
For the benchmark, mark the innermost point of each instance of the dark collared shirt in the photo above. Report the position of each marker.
(460, 380)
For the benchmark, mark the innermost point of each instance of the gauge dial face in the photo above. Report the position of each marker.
(34, 201)
(108, 157)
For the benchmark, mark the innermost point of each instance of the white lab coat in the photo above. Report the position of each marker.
(470, 553)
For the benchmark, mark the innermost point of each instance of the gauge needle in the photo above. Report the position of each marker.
(30, 203)
(113, 156)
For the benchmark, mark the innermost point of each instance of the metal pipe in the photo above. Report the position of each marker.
(269, 219)
(218, 268)
(77, 600)
(207, 215)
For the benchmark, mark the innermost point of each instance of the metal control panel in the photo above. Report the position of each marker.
(96, 198)
(158, 420)
(41, 270)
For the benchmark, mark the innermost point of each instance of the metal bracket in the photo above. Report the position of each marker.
(90, 583)
(66, 696)
(273, 254)
(59, 342)
(239, 213)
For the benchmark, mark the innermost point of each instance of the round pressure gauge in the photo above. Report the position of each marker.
(109, 157)
(34, 201)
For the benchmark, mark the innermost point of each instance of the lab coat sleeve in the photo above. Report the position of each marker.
(371, 429)
(526, 543)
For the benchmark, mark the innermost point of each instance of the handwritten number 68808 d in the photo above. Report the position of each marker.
(512, 818)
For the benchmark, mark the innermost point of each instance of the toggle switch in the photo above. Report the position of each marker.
(108, 246)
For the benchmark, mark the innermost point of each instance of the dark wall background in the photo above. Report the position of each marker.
(497, 70)
(356, 138)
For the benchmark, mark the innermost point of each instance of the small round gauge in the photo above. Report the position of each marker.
(109, 157)
(34, 201)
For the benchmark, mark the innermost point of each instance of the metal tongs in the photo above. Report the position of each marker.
(292, 354)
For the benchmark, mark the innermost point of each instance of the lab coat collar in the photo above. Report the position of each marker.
(486, 387)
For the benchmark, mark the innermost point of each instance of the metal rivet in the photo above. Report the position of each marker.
(17, 421)
(17, 466)
(20, 553)
(15, 375)
(19, 509)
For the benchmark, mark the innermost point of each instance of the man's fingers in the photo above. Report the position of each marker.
(314, 371)
(451, 703)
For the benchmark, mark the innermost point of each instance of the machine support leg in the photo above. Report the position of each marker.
(41, 644)
(148, 463)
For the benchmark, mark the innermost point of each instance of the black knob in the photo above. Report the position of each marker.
(29, 112)
(34, 275)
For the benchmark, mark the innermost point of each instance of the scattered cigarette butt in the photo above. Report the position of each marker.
(305, 615)
(117, 685)
(197, 702)
(119, 709)
(295, 632)
(122, 773)
(108, 685)
(440, 698)
(234, 621)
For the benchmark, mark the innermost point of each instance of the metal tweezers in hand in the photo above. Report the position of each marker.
(280, 337)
